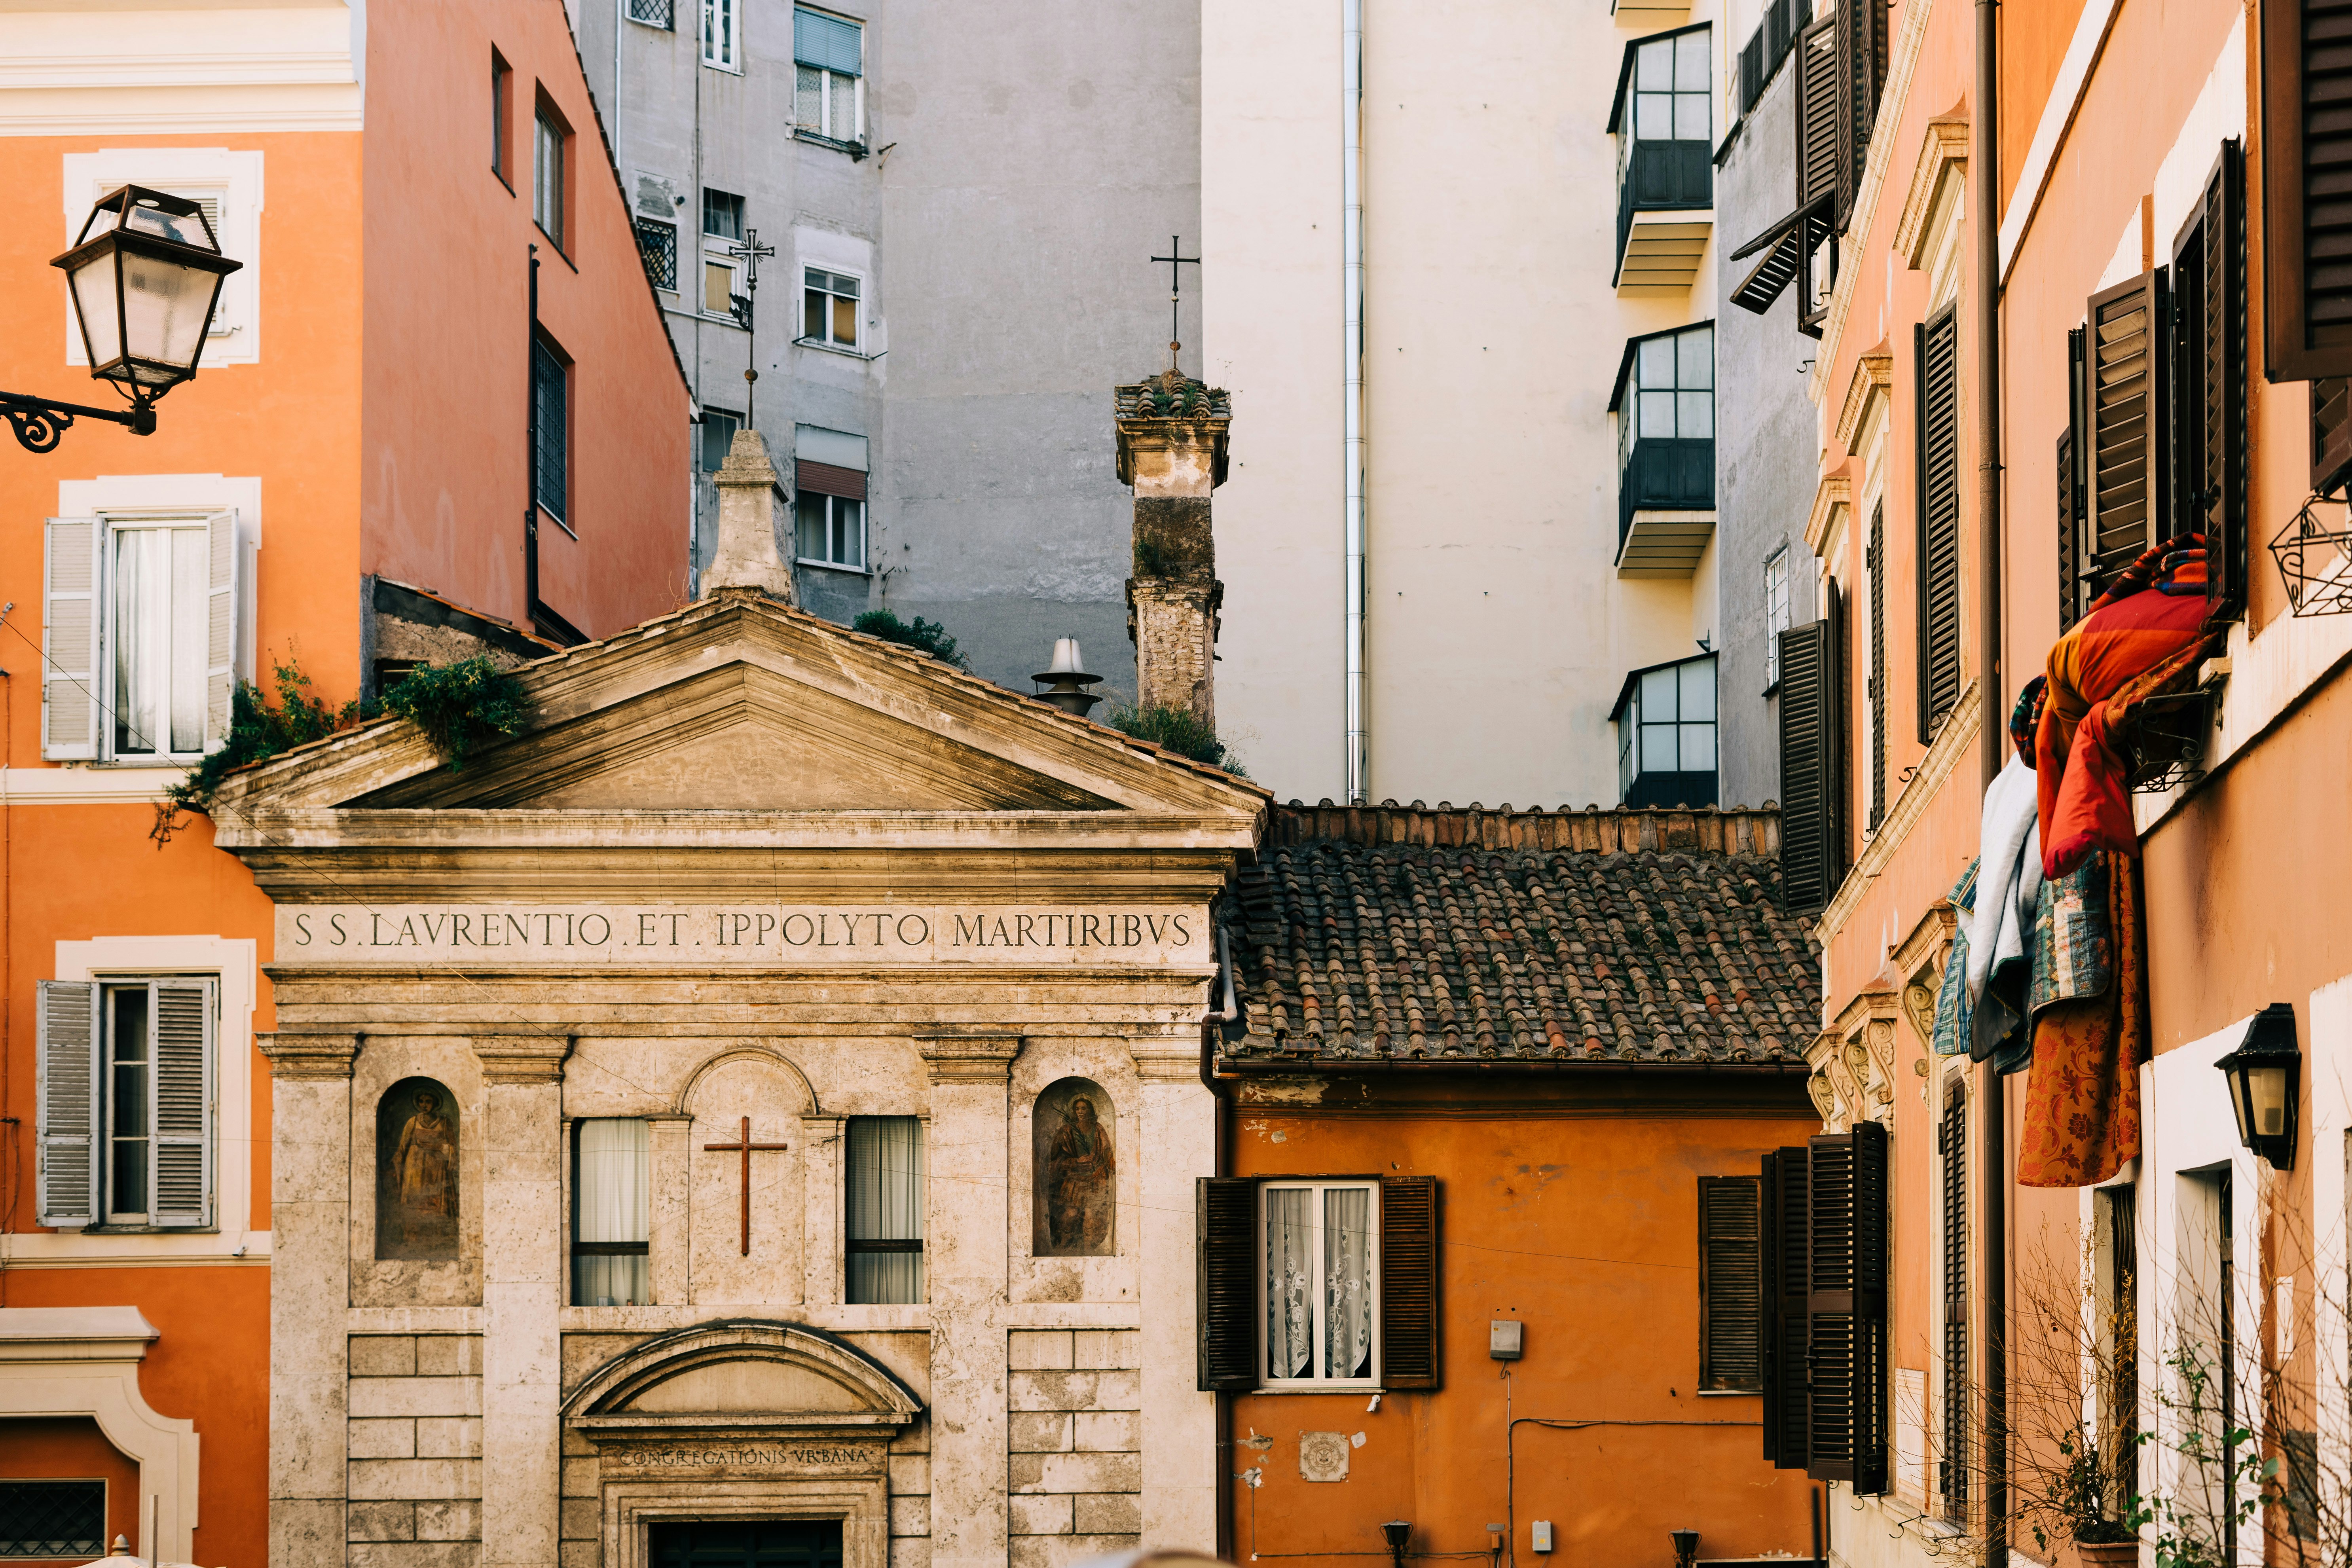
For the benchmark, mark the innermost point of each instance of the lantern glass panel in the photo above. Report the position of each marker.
(2236, 1080)
(2266, 1087)
(166, 305)
(188, 228)
(92, 282)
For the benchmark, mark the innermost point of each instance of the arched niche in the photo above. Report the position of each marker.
(1074, 1187)
(416, 1170)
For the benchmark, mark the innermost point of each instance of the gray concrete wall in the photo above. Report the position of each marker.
(1026, 159)
(1764, 445)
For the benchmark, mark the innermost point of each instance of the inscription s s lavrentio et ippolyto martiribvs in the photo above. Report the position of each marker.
(714, 934)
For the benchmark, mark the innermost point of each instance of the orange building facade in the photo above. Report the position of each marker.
(345, 488)
(2151, 239)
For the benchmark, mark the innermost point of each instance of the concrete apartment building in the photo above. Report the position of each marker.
(962, 202)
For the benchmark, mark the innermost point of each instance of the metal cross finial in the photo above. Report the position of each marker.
(749, 251)
(1176, 258)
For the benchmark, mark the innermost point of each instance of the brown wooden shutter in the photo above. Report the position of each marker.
(1731, 1299)
(828, 480)
(1809, 851)
(2125, 401)
(2331, 433)
(2306, 149)
(1952, 1143)
(1409, 1293)
(1876, 559)
(1845, 1307)
(1841, 707)
(1861, 72)
(2209, 380)
(1226, 1304)
(1817, 118)
(1936, 355)
(2072, 509)
(1784, 1257)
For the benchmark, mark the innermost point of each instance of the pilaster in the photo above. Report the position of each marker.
(673, 1186)
(822, 1186)
(1181, 1461)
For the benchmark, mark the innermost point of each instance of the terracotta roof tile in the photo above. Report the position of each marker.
(1389, 934)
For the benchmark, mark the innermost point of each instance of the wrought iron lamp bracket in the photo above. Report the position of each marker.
(40, 422)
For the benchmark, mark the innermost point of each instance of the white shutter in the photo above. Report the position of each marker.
(220, 628)
(183, 1013)
(70, 643)
(67, 1102)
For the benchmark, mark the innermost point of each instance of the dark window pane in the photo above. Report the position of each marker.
(718, 428)
(748, 1543)
(722, 215)
(52, 1519)
(554, 463)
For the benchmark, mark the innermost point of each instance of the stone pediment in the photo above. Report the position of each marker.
(738, 704)
(746, 1380)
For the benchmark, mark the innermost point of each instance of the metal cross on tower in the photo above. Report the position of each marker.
(1176, 258)
(749, 251)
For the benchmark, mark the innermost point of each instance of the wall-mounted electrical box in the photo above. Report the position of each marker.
(1503, 1339)
(1539, 1535)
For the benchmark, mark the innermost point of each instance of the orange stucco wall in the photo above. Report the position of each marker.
(1585, 1228)
(73, 1449)
(444, 482)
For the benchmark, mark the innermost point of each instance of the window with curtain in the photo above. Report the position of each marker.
(612, 1223)
(828, 63)
(722, 230)
(884, 1163)
(829, 308)
(1321, 1296)
(162, 602)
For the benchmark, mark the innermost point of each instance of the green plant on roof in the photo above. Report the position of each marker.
(258, 731)
(460, 705)
(1178, 729)
(923, 637)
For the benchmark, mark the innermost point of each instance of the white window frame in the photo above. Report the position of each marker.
(1369, 1185)
(716, 252)
(233, 180)
(1776, 614)
(864, 537)
(730, 56)
(830, 82)
(859, 316)
(547, 174)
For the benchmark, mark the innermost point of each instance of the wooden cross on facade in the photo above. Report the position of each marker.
(746, 1147)
(1176, 260)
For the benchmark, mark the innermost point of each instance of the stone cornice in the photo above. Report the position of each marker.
(1952, 742)
(970, 1059)
(295, 1056)
(522, 1059)
(1874, 372)
(1836, 490)
(1943, 153)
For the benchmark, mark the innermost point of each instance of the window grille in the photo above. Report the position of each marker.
(52, 1519)
(653, 14)
(551, 406)
(658, 243)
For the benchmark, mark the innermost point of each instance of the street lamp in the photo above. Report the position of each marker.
(143, 275)
(2265, 1074)
(1398, 1533)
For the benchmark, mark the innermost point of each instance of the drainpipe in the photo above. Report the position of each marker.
(1352, 290)
(1212, 1026)
(1984, 191)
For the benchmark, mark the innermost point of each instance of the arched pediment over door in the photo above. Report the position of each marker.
(745, 1418)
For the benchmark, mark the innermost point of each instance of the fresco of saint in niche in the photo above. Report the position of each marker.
(1076, 1177)
(416, 1171)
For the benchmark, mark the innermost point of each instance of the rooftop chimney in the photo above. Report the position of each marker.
(754, 522)
(1171, 450)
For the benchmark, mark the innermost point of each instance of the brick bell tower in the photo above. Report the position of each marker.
(1171, 452)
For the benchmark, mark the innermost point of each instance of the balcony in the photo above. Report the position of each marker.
(1666, 211)
(1665, 506)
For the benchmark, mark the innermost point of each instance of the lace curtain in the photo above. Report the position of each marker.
(885, 1203)
(1290, 1282)
(610, 1195)
(1346, 1282)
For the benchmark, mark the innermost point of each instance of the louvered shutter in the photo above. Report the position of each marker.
(69, 639)
(2072, 509)
(1817, 117)
(1838, 701)
(1784, 1259)
(183, 1013)
(2331, 433)
(1730, 1285)
(1952, 1143)
(1808, 855)
(67, 1100)
(2306, 149)
(1845, 1307)
(1226, 1305)
(220, 626)
(2125, 404)
(1936, 352)
(2210, 381)
(1876, 558)
(1861, 60)
(1409, 1289)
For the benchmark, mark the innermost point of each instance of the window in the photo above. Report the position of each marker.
(125, 1094)
(1730, 1285)
(1874, 561)
(1665, 734)
(1826, 1372)
(1936, 352)
(718, 427)
(139, 637)
(2209, 379)
(1813, 757)
(1663, 120)
(1664, 404)
(1761, 60)
(547, 138)
(1952, 1147)
(828, 87)
(2307, 297)
(1776, 613)
(551, 407)
(658, 243)
(1319, 1281)
(829, 308)
(501, 113)
(885, 1172)
(722, 230)
(832, 529)
(52, 1519)
(653, 13)
(2120, 1399)
(721, 38)
(610, 1214)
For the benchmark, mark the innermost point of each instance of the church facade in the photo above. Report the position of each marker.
(751, 1116)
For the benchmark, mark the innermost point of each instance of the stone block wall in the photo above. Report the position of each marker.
(1074, 1400)
(415, 1455)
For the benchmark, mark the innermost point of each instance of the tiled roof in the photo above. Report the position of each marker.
(1171, 395)
(1391, 934)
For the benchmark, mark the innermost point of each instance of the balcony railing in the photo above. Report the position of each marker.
(1666, 474)
(1662, 176)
